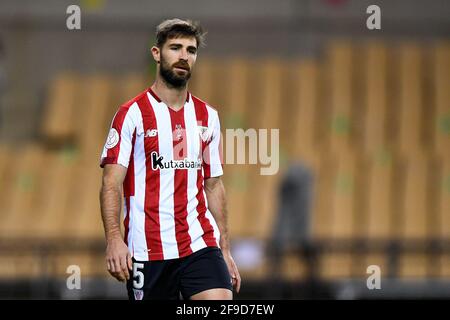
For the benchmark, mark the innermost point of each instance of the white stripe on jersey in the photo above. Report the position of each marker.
(215, 161)
(193, 145)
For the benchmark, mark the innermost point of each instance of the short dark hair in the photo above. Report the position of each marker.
(176, 28)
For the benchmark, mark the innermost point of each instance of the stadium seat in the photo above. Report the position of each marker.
(414, 217)
(84, 209)
(410, 123)
(304, 121)
(94, 109)
(380, 196)
(443, 215)
(343, 218)
(58, 125)
(6, 154)
(26, 184)
(441, 85)
(376, 99)
(58, 176)
(236, 176)
(340, 68)
(381, 192)
(262, 207)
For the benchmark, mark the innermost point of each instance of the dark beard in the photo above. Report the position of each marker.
(171, 78)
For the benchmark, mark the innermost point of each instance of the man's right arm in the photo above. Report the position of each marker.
(118, 257)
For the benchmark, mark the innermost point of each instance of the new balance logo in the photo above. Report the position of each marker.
(151, 133)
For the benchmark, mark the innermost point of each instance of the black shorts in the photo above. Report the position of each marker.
(168, 279)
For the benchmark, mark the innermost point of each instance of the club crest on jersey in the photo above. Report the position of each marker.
(159, 163)
(138, 294)
(203, 131)
(178, 131)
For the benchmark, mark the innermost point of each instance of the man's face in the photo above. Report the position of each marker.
(177, 58)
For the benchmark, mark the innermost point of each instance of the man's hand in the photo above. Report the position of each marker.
(232, 268)
(118, 259)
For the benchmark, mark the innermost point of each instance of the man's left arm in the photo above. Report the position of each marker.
(215, 194)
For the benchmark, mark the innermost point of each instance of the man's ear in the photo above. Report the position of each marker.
(156, 53)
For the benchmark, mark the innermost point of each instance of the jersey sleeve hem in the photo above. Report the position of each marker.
(111, 160)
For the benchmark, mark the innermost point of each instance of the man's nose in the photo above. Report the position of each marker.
(184, 54)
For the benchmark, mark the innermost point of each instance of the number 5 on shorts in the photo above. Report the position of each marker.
(139, 275)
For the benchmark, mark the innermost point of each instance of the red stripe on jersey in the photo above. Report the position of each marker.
(128, 187)
(201, 113)
(180, 184)
(128, 183)
(152, 184)
(126, 221)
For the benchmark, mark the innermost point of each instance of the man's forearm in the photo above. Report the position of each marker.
(218, 207)
(110, 203)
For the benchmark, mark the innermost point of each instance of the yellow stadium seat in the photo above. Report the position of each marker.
(343, 218)
(441, 85)
(236, 175)
(341, 73)
(410, 100)
(443, 213)
(413, 221)
(263, 207)
(303, 143)
(58, 123)
(376, 98)
(92, 122)
(26, 186)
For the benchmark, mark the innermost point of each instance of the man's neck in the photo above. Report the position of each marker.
(172, 97)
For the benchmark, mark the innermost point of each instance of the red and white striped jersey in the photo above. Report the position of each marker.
(168, 154)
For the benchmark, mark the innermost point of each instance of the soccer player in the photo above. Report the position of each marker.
(164, 149)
